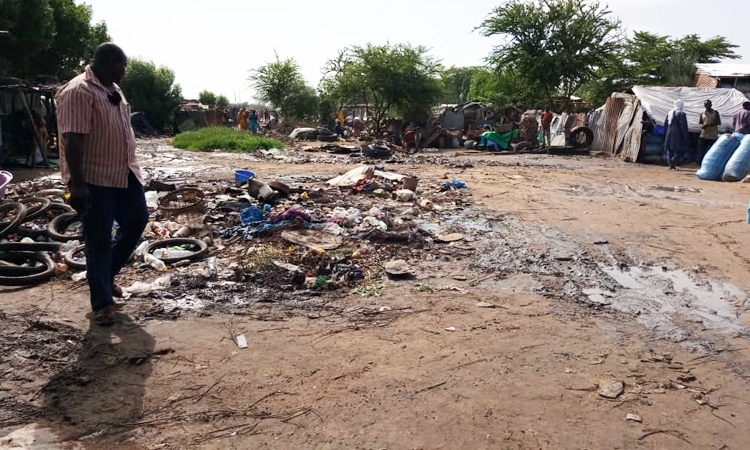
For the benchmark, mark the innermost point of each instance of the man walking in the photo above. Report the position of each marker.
(742, 120)
(547, 127)
(710, 121)
(99, 164)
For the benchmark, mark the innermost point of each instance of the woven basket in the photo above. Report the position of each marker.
(185, 206)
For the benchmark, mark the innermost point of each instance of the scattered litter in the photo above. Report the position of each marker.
(398, 268)
(313, 239)
(141, 288)
(449, 237)
(633, 417)
(485, 305)
(611, 388)
(450, 329)
(80, 276)
(241, 341)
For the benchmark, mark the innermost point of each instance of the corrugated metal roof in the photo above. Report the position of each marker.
(724, 70)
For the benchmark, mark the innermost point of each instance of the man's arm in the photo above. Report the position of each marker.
(74, 158)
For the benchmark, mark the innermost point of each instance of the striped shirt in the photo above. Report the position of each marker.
(108, 144)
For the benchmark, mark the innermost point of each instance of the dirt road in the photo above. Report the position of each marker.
(577, 274)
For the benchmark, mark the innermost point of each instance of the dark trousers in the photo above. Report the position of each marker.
(105, 259)
(704, 145)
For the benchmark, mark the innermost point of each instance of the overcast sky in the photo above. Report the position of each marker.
(213, 44)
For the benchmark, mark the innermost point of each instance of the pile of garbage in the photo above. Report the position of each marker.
(285, 234)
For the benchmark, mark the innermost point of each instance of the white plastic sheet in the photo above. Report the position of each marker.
(658, 101)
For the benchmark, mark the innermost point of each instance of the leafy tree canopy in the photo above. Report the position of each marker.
(281, 84)
(389, 79)
(554, 45)
(222, 101)
(207, 98)
(47, 37)
(152, 90)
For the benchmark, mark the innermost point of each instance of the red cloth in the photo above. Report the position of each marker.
(409, 137)
(547, 119)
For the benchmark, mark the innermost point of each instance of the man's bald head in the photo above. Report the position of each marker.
(109, 63)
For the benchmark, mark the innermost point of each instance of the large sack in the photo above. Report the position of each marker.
(718, 156)
(739, 163)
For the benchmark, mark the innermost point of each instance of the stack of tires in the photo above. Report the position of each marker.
(40, 223)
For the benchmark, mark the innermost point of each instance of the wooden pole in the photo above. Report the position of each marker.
(37, 134)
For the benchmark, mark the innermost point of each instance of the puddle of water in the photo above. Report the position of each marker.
(660, 297)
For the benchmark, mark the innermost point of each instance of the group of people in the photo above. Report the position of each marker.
(676, 136)
(248, 118)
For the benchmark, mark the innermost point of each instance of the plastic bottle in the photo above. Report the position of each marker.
(748, 213)
(176, 252)
(154, 262)
(139, 250)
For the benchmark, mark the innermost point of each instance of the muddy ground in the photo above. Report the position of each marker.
(576, 273)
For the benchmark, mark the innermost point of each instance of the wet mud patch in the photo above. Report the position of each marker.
(673, 304)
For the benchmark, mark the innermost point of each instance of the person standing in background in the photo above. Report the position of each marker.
(241, 121)
(340, 118)
(98, 162)
(741, 122)
(710, 121)
(547, 127)
(253, 119)
(675, 132)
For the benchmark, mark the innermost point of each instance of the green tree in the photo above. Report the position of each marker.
(504, 88)
(653, 59)
(281, 84)
(303, 103)
(31, 26)
(222, 101)
(389, 79)
(555, 45)
(47, 37)
(656, 60)
(457, 84)
(152, 90)
(207, 98)
(74, 42)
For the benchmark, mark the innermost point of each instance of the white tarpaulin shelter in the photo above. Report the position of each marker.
(658, 101)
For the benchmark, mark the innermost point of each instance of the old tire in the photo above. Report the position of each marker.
(34, 212)
(71, 260)
(200, 253)
(10, 227)
(60, 223)
(581, 137)
(523, 147)
(34, 234)
(35, 278)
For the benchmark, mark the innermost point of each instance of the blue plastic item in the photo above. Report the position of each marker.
(718, 156)
(251, 214)
(455, 184)
(267, 208)
(739, 163)
(748, 213)
(241, 176)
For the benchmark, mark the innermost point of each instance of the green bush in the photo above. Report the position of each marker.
(222, 138)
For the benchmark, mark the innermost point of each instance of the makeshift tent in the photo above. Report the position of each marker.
(658, 101)
(631, 126)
